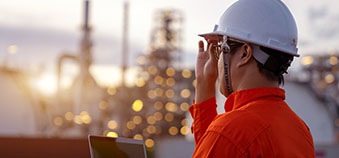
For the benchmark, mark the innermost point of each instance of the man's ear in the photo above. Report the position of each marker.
(246, 54)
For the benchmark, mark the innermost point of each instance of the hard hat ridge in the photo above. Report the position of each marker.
(267, 23)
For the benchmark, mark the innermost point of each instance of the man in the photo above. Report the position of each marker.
(250, 50)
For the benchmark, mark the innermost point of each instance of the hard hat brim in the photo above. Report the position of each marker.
(212, 35)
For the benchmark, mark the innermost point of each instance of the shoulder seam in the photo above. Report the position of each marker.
(233, 144)
(263, 128)
(241, 149)
(259, 131)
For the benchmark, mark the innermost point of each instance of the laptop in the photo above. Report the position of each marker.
(109, 147)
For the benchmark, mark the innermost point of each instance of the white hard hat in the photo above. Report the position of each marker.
(267, 23)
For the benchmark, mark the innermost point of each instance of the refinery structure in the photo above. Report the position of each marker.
(321, 76)
(155, 109)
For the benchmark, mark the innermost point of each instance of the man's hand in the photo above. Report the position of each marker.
(206, 73)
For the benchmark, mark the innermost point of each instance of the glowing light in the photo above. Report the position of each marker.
(170, 93)
(138, 137)
(111, 91)
(112, 124)
(58, 121)
(173, 130)
(137, 120)
(158, 105)
(151, 120)
(130, 125)
(172, 107)
(158, 116)
(141, 60)
(333, 60)
(69, 73)
(184, 106)
(194, 83)
(69, 116)
(46, 84)
(169, 117)
(184, 130)
(83, 113)
(103, 105)
(131, 76)
(140, 82)
(185, 93)
(77, 119)
(106, 76)
(12, 49)
(110, 76)
(307, 60)
(151, 129)
(152, 70)
(159, 92)
(149, 143)
(137, 105)
(151, 94)
(85, 118)
(329, 78)
(145, 75)
(170, 82)
(112, 134)
(170, 71)
(158, 80)
(184, 122)
(105, 132)
(186, 73)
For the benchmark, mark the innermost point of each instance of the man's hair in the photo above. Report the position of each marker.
(275, 66)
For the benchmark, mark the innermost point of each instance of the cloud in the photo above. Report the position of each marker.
(323, 22)
(317, 13)
(38, 45)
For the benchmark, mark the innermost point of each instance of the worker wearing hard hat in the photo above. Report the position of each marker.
(250, 49)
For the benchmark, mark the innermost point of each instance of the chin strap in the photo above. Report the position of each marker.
(226, 54)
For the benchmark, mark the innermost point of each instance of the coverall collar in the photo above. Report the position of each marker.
(240, 98)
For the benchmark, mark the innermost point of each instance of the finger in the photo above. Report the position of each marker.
(211, 53)
(214, 42)
(201, 46)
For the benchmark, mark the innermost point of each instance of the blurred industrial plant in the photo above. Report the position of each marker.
(320, 75)
(154, 108)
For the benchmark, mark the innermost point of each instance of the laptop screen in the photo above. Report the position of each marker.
(108, 147)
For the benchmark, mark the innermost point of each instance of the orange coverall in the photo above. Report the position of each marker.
(258, 123)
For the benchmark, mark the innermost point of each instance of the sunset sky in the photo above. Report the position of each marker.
(42, 29)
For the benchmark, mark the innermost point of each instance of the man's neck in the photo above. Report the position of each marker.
(254, 80)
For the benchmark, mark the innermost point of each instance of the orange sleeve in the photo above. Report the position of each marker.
(202, 114)
(215, 145)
